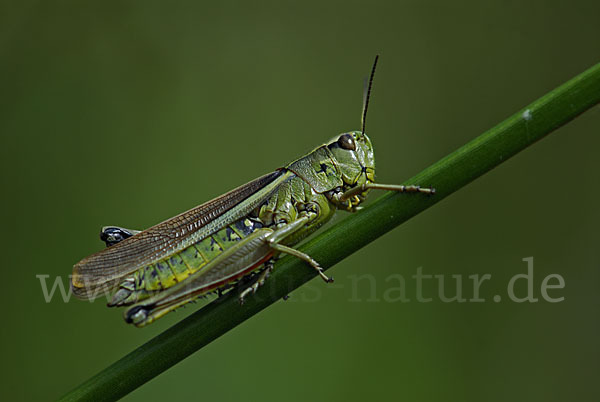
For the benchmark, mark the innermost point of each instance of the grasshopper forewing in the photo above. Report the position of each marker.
(103, 270)
(211, 247)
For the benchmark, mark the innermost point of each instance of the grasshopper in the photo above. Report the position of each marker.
(236, 236)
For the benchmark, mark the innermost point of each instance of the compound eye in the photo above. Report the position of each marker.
(346, 141)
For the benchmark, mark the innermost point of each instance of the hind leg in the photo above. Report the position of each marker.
(112, 235)
(262, 277)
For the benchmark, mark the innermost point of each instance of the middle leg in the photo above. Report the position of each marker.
(274, 241)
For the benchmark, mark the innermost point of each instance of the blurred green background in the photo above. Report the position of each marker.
(128, 113)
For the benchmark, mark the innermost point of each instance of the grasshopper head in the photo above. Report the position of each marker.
(354, 158)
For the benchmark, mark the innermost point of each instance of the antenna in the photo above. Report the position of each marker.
(367, 95)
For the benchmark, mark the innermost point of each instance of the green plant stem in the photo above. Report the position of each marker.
(448, 175)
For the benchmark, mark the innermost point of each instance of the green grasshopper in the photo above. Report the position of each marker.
(234, 237)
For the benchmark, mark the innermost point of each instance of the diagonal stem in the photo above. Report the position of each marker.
(447, 175)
